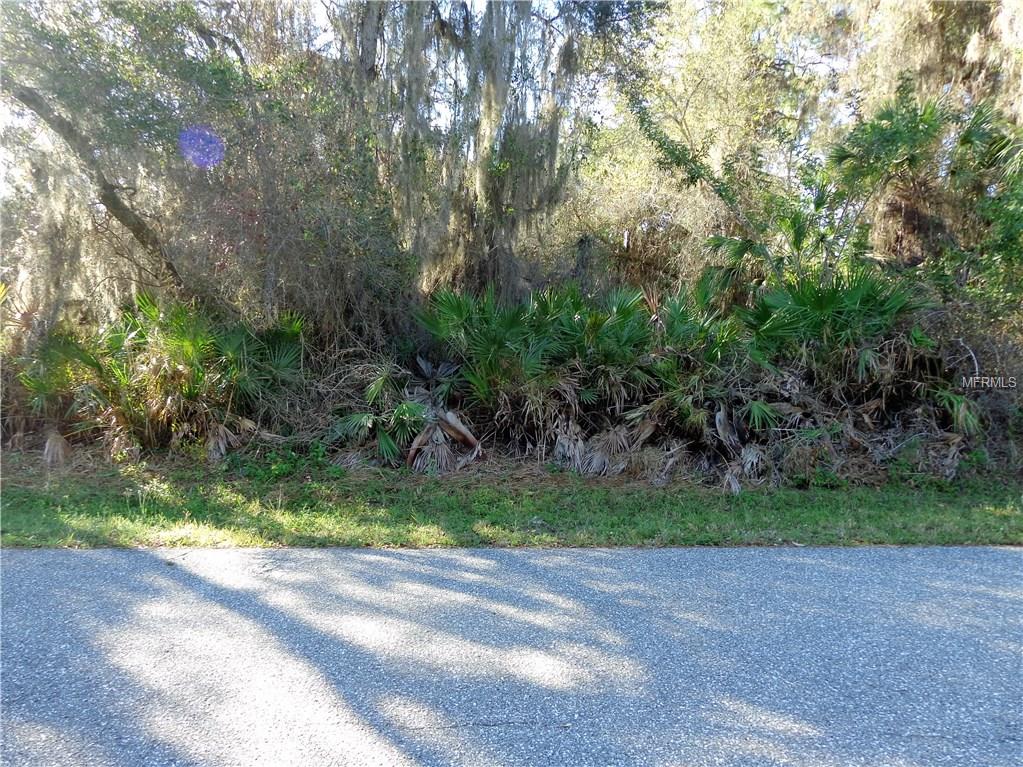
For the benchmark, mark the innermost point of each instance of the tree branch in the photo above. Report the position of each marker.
(209, 35)
(108, 195)
(442, 28)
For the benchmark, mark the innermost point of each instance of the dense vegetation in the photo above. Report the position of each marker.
(740, 242)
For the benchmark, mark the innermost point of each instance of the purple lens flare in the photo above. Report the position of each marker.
(201, 146)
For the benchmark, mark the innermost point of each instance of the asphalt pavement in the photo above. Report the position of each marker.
(881, 657)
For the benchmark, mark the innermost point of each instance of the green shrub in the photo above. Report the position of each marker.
(530, 369)
(161, 376)
(393, 430)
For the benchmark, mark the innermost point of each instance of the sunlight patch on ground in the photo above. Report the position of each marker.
(255, 672)
(560, 623)
(560, 665)
(436, 732)
(765, 719)
(192, 534)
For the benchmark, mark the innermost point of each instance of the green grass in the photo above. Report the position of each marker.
(302, 503)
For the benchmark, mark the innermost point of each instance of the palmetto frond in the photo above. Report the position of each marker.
(898, 140)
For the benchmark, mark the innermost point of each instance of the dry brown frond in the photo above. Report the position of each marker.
(434, 454)
(57, 450)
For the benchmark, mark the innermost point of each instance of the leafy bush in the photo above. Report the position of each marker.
(161, 376)
(392, 430)
(562, 368)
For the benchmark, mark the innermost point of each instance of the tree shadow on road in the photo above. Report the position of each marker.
(491, 657)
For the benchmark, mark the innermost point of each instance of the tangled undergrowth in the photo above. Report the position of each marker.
(821, 378)
(817, 379)
(800, 357)
(159, 377)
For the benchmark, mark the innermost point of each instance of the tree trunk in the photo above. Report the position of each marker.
(372, 17)
(108, 195)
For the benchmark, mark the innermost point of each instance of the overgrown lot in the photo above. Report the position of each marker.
(290, 501)
(643, 240)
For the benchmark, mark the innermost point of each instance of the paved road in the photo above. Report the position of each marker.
(805, 657)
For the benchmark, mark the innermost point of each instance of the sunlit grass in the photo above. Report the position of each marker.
(169, 503)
